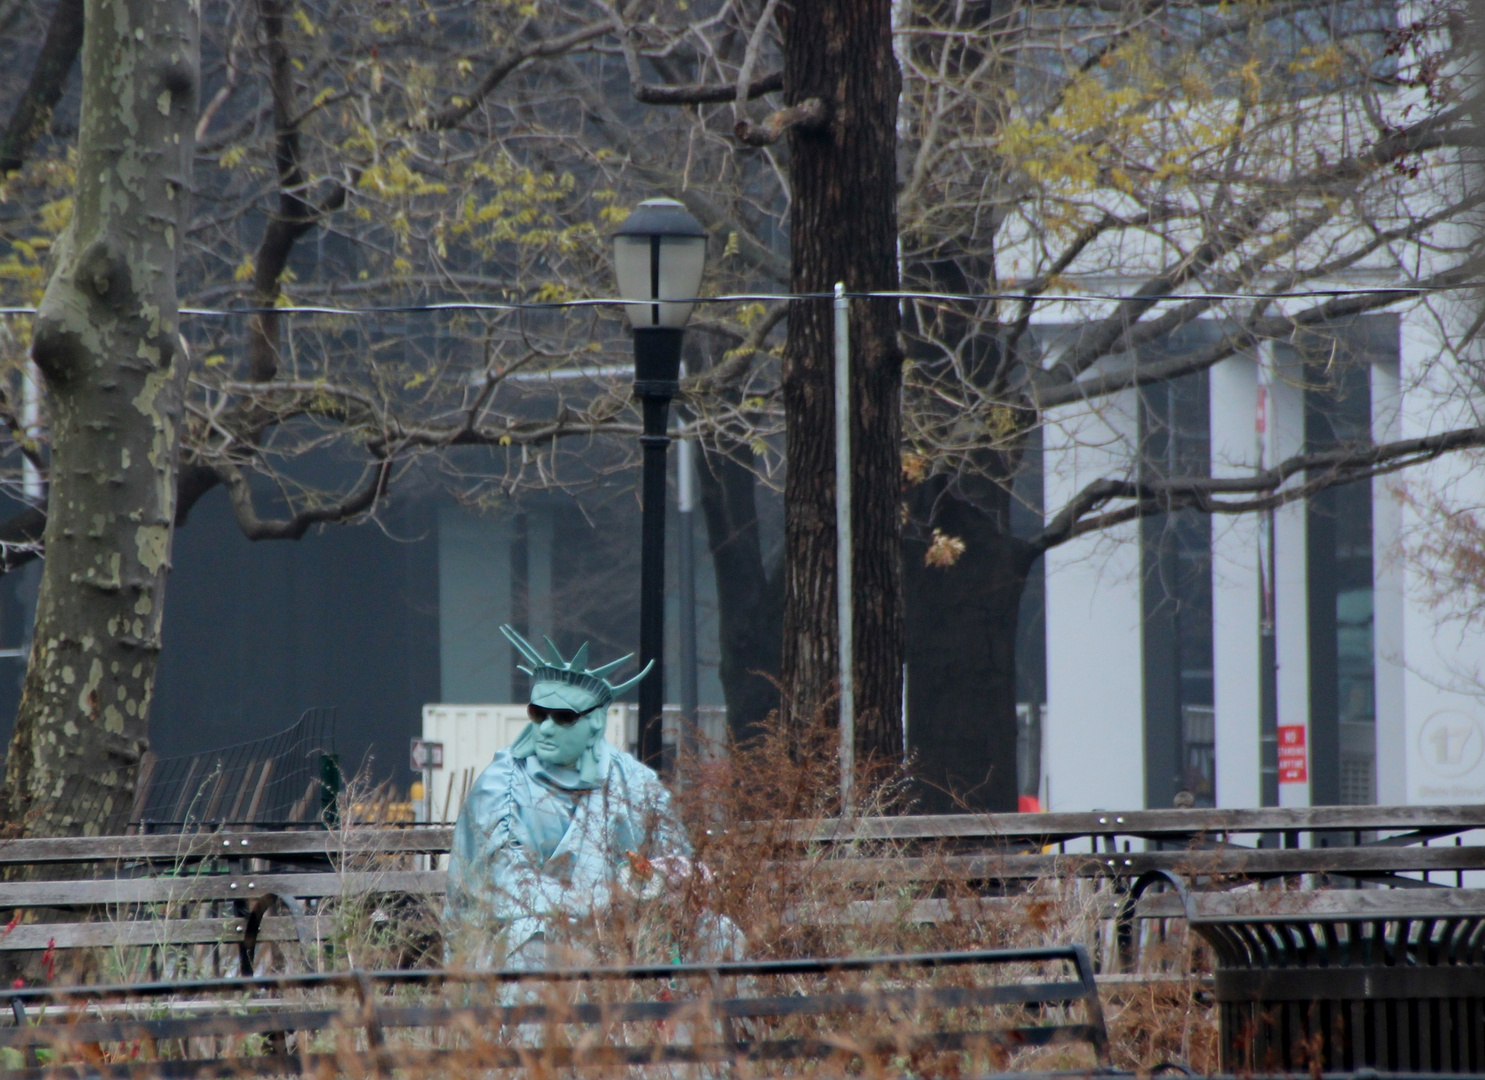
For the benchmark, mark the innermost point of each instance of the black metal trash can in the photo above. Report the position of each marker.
(1347, 979)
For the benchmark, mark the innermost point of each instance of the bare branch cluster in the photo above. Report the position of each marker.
(353, 152)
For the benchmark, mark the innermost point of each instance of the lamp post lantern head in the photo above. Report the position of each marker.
(659, 254)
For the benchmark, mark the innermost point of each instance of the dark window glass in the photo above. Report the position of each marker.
(1338, 540)
(1180, 719)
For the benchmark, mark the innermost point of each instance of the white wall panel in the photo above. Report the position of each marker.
(1291, 597)
(1444, 742)
(1235, 588)
(1093, 742)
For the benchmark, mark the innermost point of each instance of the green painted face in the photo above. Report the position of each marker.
(562, 746)
(558, 744)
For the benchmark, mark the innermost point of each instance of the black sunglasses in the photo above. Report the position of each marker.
(562, 717)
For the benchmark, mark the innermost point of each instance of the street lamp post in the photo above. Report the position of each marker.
(659, 254)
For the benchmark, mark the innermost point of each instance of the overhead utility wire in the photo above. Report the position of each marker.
(1400, 291)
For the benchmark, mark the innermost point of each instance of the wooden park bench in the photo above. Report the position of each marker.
(869, 1009)
(238, 889)
(1378, 844)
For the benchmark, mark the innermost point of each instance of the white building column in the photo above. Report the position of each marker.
(1443, 675)
(1286, 438)
(1093, 731)
(1233, 392)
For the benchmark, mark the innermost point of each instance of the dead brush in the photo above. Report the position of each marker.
(373, 928)
(760, 819)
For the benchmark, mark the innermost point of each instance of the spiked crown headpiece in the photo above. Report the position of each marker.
(574, 672)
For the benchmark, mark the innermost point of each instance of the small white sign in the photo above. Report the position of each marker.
(426, 755)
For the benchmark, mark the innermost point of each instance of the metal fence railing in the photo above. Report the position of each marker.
(286, 779)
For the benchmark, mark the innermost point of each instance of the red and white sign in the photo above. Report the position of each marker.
(1293, 761)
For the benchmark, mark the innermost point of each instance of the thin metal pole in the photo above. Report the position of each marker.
(1268, 655)
(686, 558)
(652, 579)
(657, 362)
(843, 611)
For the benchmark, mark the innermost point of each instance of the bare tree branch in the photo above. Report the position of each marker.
(460, 107)
(295, 216)
(1245, 336)
(699, 94)
(750, 60)
(809, 115)
(1330, 468)
(695, 94)
(737, 361)
(20, 539)
(33, 112)
(1332, 181)
(293, 528)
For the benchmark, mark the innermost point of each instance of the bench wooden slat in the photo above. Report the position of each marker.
(133, 933)
(189, 847)
(160, 890)
(1151, 823)
(1226, 861)
(1025, 828)
(1273, 904)
(1230, 862)
(1009, 828)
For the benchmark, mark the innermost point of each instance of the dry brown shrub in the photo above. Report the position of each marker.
(756, 815)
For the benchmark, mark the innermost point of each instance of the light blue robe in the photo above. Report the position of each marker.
(534, 846)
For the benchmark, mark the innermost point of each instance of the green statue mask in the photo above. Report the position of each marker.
(568, 708)
(563, 746)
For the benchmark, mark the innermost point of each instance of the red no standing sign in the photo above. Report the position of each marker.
(1293, 761)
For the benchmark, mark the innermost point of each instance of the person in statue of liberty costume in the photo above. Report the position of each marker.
(559, 822)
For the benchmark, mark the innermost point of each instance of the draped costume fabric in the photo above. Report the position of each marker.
(534, 845)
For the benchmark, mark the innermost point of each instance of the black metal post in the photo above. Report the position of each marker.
(686, 556)
(1268, 672)
(657, 360)
(688, 743)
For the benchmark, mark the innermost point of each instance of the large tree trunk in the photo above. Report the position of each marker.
(961, 629)
(843, 227)
(108, 346)
(962, 616)
(749, 598)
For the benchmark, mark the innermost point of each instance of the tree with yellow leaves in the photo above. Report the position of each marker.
(356, 154)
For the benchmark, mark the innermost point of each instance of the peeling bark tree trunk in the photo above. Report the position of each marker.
(107, 344)
(843, 227)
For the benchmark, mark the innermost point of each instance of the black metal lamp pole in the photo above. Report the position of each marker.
(657, 360)
(659, 255)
